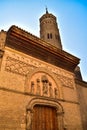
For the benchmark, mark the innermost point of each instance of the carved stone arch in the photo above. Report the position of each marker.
(46, 71)
(44, 102)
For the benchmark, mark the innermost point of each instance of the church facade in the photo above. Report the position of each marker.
(41, 87)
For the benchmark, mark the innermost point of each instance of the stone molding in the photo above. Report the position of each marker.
(31, 95)
(44, 101)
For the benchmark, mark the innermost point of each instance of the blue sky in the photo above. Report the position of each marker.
(71, 17)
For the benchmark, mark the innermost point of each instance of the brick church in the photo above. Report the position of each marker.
(41, 87)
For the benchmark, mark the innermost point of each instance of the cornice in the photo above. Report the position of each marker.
(32, 45)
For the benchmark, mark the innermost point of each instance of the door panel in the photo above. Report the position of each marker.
(44, 118)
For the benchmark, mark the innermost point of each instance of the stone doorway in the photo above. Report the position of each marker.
(44, 118)
(44, 114)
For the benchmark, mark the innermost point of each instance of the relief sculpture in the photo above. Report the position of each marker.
(32, 87)
(29, 120)
(38, 87)
(43, 85)
(56, 92)
(50, 89)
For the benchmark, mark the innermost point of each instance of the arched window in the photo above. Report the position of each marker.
(49, 35)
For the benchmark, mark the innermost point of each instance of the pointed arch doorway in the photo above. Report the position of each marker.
(44, 118)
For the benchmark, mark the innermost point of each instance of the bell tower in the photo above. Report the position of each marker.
(49, 30)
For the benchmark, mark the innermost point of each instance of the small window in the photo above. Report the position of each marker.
(48, 35)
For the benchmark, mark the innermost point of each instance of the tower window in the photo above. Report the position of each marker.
(49, 35)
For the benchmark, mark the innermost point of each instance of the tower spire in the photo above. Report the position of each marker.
(46, 10)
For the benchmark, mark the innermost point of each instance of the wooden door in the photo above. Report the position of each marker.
(44, 118)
